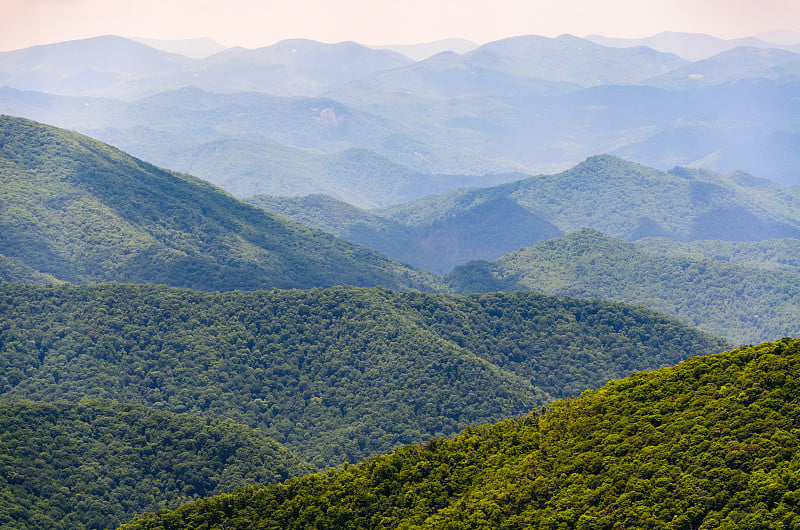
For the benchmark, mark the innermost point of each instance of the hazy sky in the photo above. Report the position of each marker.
(254, 23)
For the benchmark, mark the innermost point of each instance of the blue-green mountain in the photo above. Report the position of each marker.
(77, 210)
(745, 302)
(616, 197)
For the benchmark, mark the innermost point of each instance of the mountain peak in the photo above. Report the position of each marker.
(101, 215)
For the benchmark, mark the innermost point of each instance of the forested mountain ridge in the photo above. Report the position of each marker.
(630, 201)
(489, 227)
(711, 443)
(333, 374)
(742, 304)
(81, 211)
(770, 255)
(96, 464)
(619, 198)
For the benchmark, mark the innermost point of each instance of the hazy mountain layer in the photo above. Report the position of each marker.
(711, 443)
(529, 104)
(117, 67)
(484, 229)
(692, 46)
(619, 198)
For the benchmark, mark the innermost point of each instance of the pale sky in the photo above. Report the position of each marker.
(255, 23)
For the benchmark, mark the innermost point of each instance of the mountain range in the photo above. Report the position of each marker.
(527, 104)
(185, 335)
(698, 46)
(745, 304)
(616, 197)
(76, 210)
(335, 375)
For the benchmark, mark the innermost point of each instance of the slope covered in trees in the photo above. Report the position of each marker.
(743, 304)
(711, 443)
(605, 193)
(334, 374)
(81, 211)
(631, 201)
(489, 227)
(96, 464)
(770, 255)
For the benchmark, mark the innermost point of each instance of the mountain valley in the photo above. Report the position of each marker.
(448, 285)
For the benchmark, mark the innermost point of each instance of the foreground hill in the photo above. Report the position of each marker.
(741, 303)
(81, 211)
(616, 197)
(334, 374)
(711, 443)
(96, 464)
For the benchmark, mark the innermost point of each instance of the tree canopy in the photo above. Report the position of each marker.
(711, 443)
(334, 374)
(95, 464)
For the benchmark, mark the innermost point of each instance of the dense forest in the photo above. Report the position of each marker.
(334, 374)
(770, 254)
(81, 211)
(96, 464)
(213, 359)
(746, 304)
(442, 231)
(711, 443)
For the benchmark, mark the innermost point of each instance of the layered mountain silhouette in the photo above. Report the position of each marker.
(77, 210)
(527, 104)
(616, 197)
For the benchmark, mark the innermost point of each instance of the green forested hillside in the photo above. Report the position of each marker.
(81, 211)
(605, 193)
(771, 254)
(632, 201)
(712, 443)
(334, 374)
(95, 464)
(743, 304)
(490, 227)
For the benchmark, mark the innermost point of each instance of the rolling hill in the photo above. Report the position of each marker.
(741, 303)
(619, 198)
(711, 443)
(96, 464)
(333, 374)
(81, 211)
